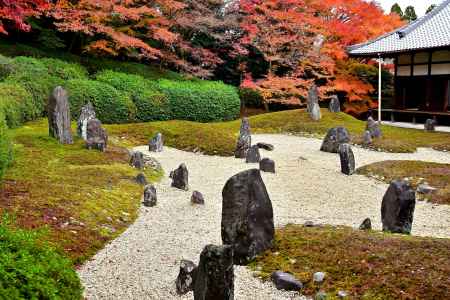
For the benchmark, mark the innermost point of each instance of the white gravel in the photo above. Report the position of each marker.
(144, 262)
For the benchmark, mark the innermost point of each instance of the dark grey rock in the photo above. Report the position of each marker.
(335, 105)
(318, 277)
(186, 278)
(309, 224)
(197, 198)
(366, 224)
(335, 137)
(180, 178)
(150, 197)
(141, 179)
(367, 138)
(397, 207)
(247, 216)
(137, 160)
(215, 274)
(373, 127)
(315, 113)
(425, 189)
(267, 165)
(286, 281)
(96, 136)
(430, 125)
(265, 146)
(156, 144)
(313, 98)
(244, 140)
(347, 159)
(58, 112)
(253, 155)
(87, 113)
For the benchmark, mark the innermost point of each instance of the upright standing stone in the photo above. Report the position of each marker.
(58, 111)
(367, 138)
(87, 113)
(150, 197)
(244, 141)
(335, 105)
(373, 127)
(215, 274)
(347, 159)
(253, 155)
(180, 178)
(313, 107)
(156, 144)
(186, 277)
(397, 208)
(137, 160)
(96, 136)
(315, 114)
(335, 137)
(430, 125)
(247, 216)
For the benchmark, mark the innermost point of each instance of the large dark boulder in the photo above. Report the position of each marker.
(96, 136)
(215, 274)
(186, 277)
(180, 178)
(253, 155)
(335, 105)
(430, 125)
(87, 113)
(335, 137)
(286, 281)
(58, 112)
(397, 208)
(373, 127)
(244, 141)
(156, 144)
(347, 159)
(247, 216)
(150, 197)
(137, 160)
(267, 165)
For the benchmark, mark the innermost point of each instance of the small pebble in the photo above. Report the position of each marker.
(318, 277)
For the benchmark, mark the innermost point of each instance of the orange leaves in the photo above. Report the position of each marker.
(16, 11)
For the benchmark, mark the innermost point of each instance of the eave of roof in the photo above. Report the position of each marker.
(411, 37)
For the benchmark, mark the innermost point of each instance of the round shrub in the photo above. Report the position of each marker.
(30, 269)
(111, 105)
(6, 66)
(64, 70)
(17, 104)
(151, 104)
(5, 147)
(202, 101)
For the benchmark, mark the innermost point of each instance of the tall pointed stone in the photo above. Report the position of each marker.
(58, 111)
(244, 141)
(87, 113)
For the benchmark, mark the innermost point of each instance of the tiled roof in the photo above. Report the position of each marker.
(430, 31)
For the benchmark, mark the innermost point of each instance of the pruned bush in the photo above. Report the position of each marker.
(111, 105)
(6, 66)
(151, 104)
(17, 104)
(201, 101)
(30, 269)
(251, 97)
(64, 70)
(5, 147)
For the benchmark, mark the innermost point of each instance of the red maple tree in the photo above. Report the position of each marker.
(14, 13)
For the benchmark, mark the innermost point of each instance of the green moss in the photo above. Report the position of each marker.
(435, 174)
(5, 145)
(368, 265)
(84, 197)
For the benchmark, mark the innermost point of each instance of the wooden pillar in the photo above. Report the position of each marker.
(380, 61)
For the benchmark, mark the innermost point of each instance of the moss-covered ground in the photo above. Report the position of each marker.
(367, 265)
(418, 172)
(220, 138)
(84, 198)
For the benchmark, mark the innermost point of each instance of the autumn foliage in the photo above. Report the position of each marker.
(14, 12)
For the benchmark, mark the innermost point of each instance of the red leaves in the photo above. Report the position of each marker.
(14, 12)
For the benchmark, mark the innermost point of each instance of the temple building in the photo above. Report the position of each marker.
(421, 52)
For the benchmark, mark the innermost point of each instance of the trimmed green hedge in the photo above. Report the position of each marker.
(5, 146)
(111, 105)
(151, 104)
(202, 101)
(30, 269)
(17, 104)
(64, 70)
(5, 66)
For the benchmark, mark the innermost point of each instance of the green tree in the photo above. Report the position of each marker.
(410, 14)
(397, 10)
(432, 6)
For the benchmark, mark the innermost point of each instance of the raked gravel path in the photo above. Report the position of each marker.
(144, 261)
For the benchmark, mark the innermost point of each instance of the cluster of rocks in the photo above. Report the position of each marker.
(373, 131)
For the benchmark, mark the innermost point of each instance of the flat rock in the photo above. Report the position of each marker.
(215, 274)
(186, 277)
(347, 159)
(156, 144)
(286, 281)
(150, 197)
(335, 137)
(265, 146)
(87, 113)
(253, 155)
(267, 165)
(397, 207)
(247, 216)
(180, 178)
(58, 112)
